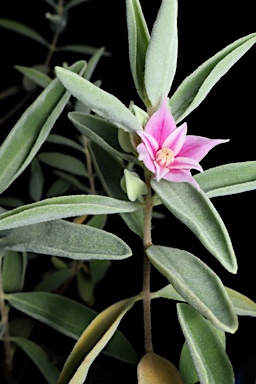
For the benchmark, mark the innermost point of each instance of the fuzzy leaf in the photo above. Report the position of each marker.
(101, 132)
(138, 39)
(80, 48)
(196, 283)
(36, 181)
(194, 209)
(101, 102)
(93, 340)
(68, 317)
(38, 77)
(31, 130)
(64, 162)
(161, 57)
(242, 304)
(228, 179)
(62, 238)
(196, 86)
(14, 267)
(208, 355)
(92, 63)
(23, 29)
(39, 358)
(62, 207)
(62, 140)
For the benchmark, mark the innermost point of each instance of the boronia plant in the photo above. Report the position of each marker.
(142, 158)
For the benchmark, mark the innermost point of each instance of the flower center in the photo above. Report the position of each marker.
(164, 157)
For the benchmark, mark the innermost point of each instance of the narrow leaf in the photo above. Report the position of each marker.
(138, 39)
(161, 57)
(228, 179)
(101, 132)
(101, 102)
(64, 162)
(68, 317)
(208, 355)
(92, 63)
(23, 29)
(242, 304)
(93, 340)
(13, 272)
(72, 180)
(36, 181)
(81, 48)
(31, 130)
(54, 280)
(62, 207)
(199, 285)
(73, 3)
(62, 140)
(62, 238)
(38, 77)
(194, 209)
(196, 86)
(39, 358)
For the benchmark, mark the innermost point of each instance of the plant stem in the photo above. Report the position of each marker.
(147, 241)
(5, 320)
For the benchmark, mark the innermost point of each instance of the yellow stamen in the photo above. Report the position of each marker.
(164, 157)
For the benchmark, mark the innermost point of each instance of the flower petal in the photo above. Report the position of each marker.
(185, 163)
(197, 147)
(161, 124)
(180, 176)
(150, 143)
(145, 157)
(176, 139)
(160, 171)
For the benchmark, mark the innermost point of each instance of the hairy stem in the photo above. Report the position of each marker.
(5, 320)
(147, 241)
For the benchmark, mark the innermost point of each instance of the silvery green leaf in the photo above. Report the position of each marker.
(194, 209)
(208, 355)
(31, 130)
(23, 29)
(62, 140)
(64, 162)
(72, 180)
(92, 63)
(69, 318)
(37, 77)
(161, 56)
(65, 239)
(196, 283)
(80, 48)
(39, 358)
(36, 181)
(62, 207)
(242, 304)
(58, 188)
(101, 102)
(138, 39)
(102, 132)
(196, 86)
(228, 179)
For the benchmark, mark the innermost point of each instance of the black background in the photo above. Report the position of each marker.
(227, 112)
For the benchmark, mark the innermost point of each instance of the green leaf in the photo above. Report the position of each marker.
(22, 29)
(101, 102)
(64, 162)
(101, 132)
(31, 130)
(62, 140)
(73, 3)
(196, 283)
(62, 207)
(138, 39)
(51, 3)
(54, 280)
(39, 358)
(93, 341)
(62, 238)
(242, 304)
(58, 188)
(196, 86)
(98, 269)
(36, 181)
(11, 202)
(98, 221)
(208, 355)
(81, 48)
(72, 180)
(228, 179)
(14, 267)
(161, 57)
(194, 209)
(168, 292)
(67, 317)
(92, 63)
(38, 77)
(85, 287)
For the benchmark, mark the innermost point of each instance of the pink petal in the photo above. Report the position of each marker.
(145, 157)
(197, 147)
(161, 124)
(176, 139)
(180, 176)
(150, 143)
(160, 172)
(185, 163)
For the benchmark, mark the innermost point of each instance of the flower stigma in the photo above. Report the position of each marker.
(164, 157)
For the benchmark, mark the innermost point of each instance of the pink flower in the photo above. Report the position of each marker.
(168, 152)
